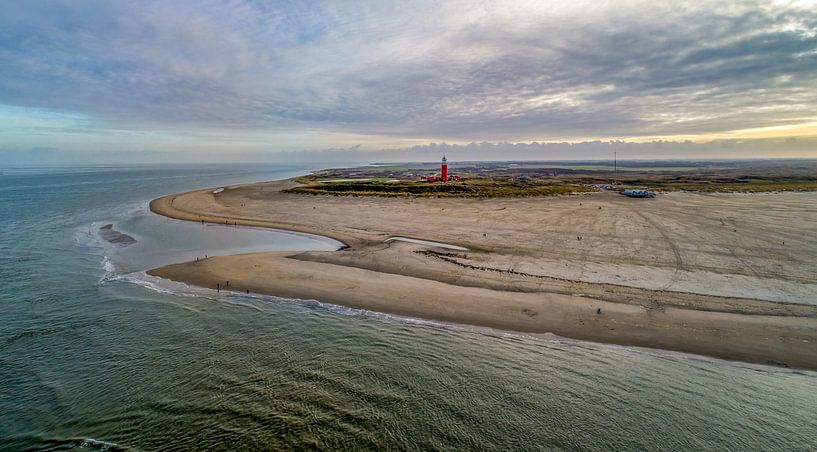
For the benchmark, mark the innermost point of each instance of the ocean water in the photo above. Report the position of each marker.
(95, 355)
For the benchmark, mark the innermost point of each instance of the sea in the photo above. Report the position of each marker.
(97, 355)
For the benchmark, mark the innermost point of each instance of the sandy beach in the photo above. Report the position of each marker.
(706, 274)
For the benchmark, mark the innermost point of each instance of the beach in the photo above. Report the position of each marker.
(688, 272)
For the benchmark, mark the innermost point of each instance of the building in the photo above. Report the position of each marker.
(443, 177)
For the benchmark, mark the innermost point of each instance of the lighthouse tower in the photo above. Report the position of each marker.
(444, 170)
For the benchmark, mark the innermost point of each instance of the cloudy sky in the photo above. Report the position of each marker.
(193, 79)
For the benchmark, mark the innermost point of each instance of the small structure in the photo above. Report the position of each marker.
(638, 193)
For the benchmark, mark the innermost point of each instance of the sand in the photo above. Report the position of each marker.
(729, 276)
(109, 234)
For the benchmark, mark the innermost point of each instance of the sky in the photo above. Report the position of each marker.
(248, 80)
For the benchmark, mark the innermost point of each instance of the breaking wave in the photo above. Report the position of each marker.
(81, 444)
(169, 287)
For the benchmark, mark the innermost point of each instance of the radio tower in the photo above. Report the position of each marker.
(615, 167)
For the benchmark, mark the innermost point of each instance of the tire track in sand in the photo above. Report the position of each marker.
(679, 261)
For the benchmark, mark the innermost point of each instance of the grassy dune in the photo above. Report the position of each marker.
(471, 189)
(520, 179)
(737, 187)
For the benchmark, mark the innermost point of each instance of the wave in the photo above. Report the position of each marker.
(88, 234)
(86, 237)
(156, 284)
(101, 445)
(169, 287)
(109, 267)
(82, 444)
(91, 236)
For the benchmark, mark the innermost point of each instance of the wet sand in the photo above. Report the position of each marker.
(109, 234)
(717, 275)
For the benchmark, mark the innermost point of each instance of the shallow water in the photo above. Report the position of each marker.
(96, 355)
(427, 243)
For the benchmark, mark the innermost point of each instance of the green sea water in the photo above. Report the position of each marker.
(96, 355)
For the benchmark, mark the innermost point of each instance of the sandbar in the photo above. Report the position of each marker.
(698, 273)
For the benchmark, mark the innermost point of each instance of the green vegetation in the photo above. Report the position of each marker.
(515, 179)
(737, 187)
(609, 168)
(480, 188)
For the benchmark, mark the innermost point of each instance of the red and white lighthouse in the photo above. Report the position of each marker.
(444, 170)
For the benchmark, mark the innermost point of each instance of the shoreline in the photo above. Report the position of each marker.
(470, 328)
(404, 278)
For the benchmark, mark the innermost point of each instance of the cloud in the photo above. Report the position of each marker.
(466, 70)
(802, 148)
